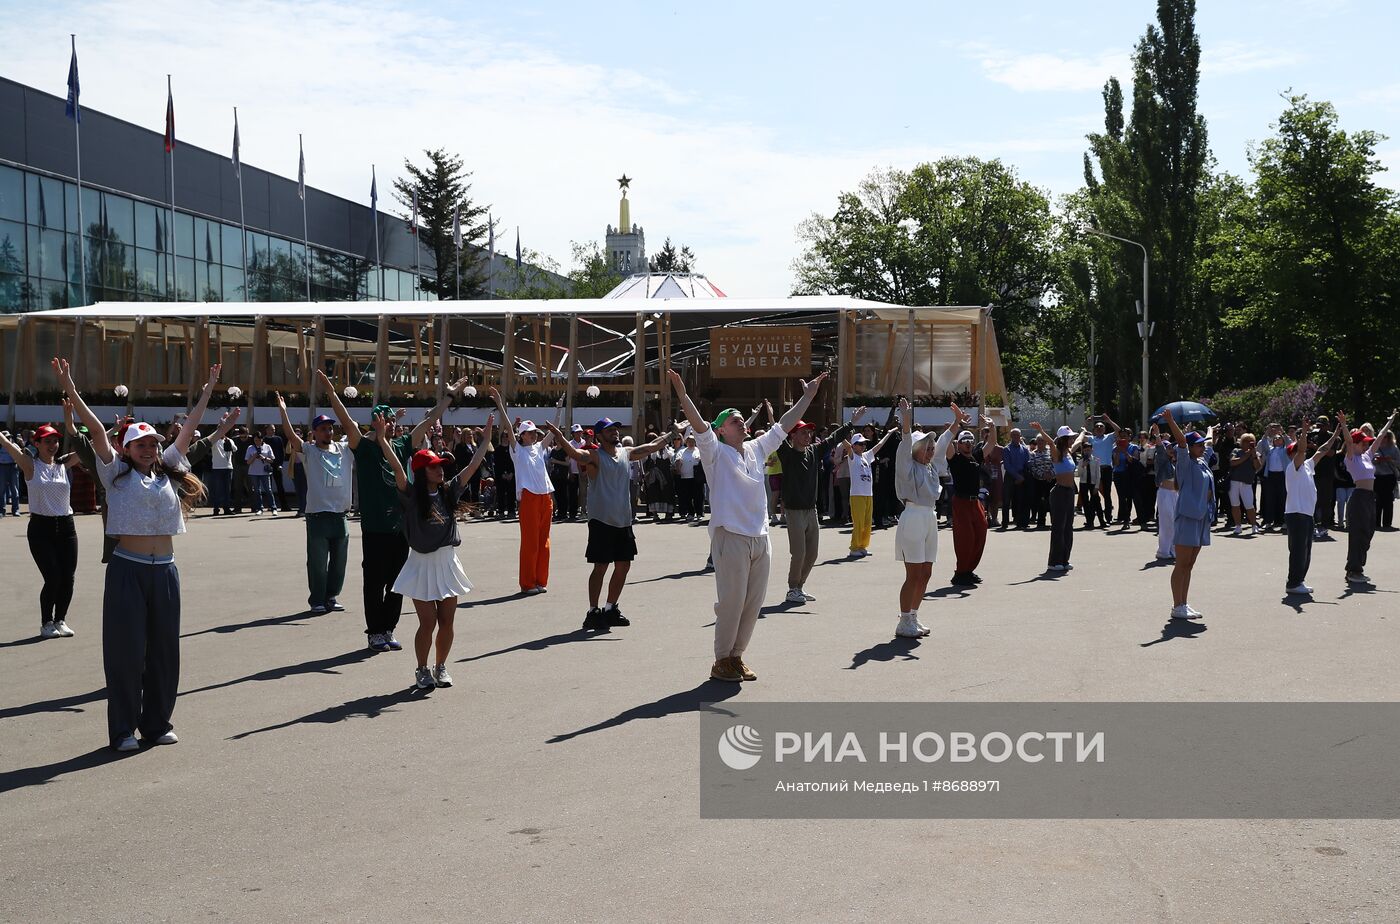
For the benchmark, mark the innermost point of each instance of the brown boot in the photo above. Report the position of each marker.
(724, 669)
(743, 669)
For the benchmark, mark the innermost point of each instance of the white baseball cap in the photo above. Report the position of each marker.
(527, 426)
(138, 431)
(1063, 431)
(858, 438)
(576, 428)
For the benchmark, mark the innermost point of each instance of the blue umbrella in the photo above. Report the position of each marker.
(1185, 412)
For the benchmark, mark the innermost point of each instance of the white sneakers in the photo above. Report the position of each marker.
(441, 677)
(63, 629)
(910, 627)
(423, 679)
(795, 595)
(128, 744)
(168, 738)
(1301, 590)
(50, 630)
(1185, 612)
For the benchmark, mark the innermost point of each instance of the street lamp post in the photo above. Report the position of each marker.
(1145, 327)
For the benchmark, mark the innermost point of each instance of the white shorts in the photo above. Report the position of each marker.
(1242, 494)
(916, 536)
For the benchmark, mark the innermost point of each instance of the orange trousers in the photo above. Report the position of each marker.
(536, 512)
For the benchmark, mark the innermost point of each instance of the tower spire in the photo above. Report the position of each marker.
(624, 213)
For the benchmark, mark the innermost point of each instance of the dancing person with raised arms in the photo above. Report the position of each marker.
(432, 576)
(1360, 462)
(916, 481)
(969, 516)
(739, 544)
(383, 548)
(607, 468)
(53, 540)
(800, 456)
(329, 469)
(1062, 495)
(149, 493)
(1195, 512)
(1300, 503)
(529, 451)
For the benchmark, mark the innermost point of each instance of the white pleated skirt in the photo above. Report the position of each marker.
(434, 576)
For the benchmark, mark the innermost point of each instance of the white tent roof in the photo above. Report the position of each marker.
(666, 285)
(499, 307)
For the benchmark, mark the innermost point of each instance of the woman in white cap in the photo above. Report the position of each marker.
(1062, 495)
(916, 462)
(860, 456)
(432, 576)
(53, 541)
(529, 451)
(149, 492)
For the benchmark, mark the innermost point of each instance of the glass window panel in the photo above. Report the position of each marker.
(51, 208)
(209, 288)
(184, 274)
(148, 220)
(120, 221)
(184, 235)
(92, 210)
(11, 194)
(372, 284)
(257, 250)
(207, 241)
(11, 247)
(148, 280)
(118, 266)
(232, 246)
(70, 207)
(298, 260)
(233, 284)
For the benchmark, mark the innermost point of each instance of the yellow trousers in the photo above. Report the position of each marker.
(862, 509)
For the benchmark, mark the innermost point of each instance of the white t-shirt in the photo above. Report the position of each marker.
(221, 454)
(329, 476)
(862, 481)
(1302, 491)
(573, 463)
(49, 490)
(142, 505)
(259, 459)
(738, 486)
(688, 458)
(530, 472)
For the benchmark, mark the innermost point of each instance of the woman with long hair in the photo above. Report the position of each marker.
(1360, 463)
(1062, 449)
(53, 541)
(1195, 512)
(432, 577)
(149, 493)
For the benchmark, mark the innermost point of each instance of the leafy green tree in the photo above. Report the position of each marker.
(1145, 175)
(442, 187)
(959, 231)
(1319, 254)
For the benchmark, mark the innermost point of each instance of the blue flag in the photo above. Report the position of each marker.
(71, 109)
(373, 189)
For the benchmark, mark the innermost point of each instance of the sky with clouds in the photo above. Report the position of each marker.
(736, 120)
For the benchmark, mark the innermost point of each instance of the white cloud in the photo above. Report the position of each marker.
(544, 136)
(1221, 59)
(1029, 72)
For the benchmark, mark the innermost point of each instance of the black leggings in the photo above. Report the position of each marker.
(1061, 524)
(54, 544)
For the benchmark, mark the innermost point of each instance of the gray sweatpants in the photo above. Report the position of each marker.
(803, 531)
(140, 647)
(741, 579)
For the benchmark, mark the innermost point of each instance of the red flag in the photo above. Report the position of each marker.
(169, 118)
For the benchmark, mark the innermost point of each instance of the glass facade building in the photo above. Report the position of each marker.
(133, 250)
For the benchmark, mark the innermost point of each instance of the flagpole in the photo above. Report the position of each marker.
(490, 257)
(242, 222)
(374, 217)
(170, 109)
(305, 237)
(78, 143)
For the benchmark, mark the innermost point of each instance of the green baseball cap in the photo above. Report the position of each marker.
(383, 410)
(725, 415)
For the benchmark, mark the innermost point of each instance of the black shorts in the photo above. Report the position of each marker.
(609, 543)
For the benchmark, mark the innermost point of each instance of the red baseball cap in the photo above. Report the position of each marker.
(425, 457)
(1361, 436)
(45, 432)
(804, 425)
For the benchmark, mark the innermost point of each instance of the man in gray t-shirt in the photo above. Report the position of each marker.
(329, 469)
(610, 540)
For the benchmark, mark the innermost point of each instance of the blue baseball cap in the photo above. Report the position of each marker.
(605, 423)
(322, 419)
(1193, 438)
